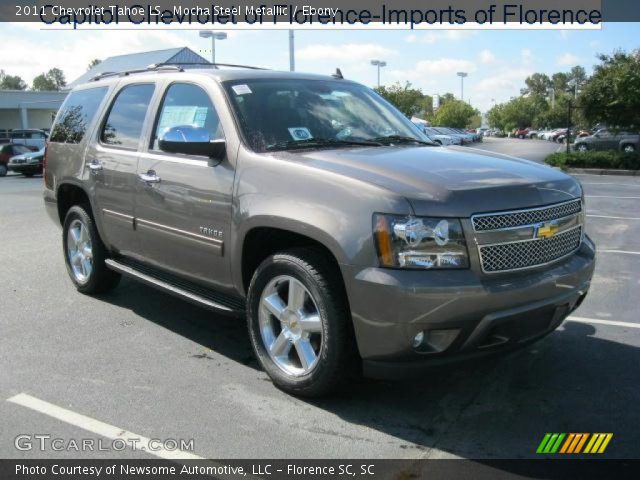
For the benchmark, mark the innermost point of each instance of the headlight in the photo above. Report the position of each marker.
(420, 242)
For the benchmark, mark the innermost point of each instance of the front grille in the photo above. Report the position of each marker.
(529, 253)
(525, 217)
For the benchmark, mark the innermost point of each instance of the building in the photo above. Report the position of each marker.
(26, 109)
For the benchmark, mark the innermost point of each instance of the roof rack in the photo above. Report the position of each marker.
(169, 67)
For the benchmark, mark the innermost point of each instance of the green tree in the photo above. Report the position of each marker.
(11, 82)
(408, 100)
(53, 80)
(455, 113)
(93, 63)
(612, 95)
(536, 84)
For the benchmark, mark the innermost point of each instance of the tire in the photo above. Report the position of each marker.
(335, 360)
(582, 148)
(438, 142)
(88, 272)
(29, 174)
(628, 148)
(3, 170)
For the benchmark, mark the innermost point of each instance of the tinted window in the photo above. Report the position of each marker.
(124, 124)
(76, 113)
(19, 149)
(186, 104)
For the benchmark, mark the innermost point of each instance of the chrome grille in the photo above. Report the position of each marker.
(529, 253)
(531, 216)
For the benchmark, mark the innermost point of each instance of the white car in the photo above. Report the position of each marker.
(441, 138)
(32, 138)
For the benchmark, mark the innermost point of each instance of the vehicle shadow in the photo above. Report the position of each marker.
(496, 408)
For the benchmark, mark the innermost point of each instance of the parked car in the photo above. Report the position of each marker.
(441, 139)
(6, 152)
(605, 139)
(31, 138)
(347, 242)
(521, 133)
(27, 164)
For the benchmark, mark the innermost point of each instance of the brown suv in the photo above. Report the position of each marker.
(312, 208)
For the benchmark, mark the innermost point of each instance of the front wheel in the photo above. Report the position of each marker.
(628, 149)
(299, 323)
(582, 148)
(85, 254)
(3, 170)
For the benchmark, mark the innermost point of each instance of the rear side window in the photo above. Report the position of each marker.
(76, 114)
(126, 117)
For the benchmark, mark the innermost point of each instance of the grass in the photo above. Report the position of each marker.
(604, 159)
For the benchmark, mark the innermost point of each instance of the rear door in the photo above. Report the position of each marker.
(183, 202)
(112, 160)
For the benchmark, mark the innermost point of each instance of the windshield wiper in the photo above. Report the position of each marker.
(399, 139)
(321, 142)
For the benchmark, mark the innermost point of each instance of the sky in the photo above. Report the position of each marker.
(497, 61)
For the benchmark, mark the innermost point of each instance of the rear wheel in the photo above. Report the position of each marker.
(85, 253)
(3, 170)
(299, 323)
(629, 149)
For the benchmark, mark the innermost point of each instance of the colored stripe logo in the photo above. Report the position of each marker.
(574, 443)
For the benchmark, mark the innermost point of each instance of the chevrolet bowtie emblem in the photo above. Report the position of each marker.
(545, 230)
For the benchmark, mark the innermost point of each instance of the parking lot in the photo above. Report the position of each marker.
(145, 362)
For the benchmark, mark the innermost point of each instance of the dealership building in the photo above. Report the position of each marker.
(27, 109)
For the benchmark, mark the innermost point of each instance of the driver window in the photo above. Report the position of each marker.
(185, 104)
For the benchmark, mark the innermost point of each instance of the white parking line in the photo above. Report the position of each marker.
(603, 322)
(614, 218)
(99, 428)
(617, 198)
(626, 252)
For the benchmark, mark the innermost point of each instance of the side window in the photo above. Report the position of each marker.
(186, 104)
(124, 123)
(76, 113)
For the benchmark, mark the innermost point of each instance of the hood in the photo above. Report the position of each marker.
(444, 182)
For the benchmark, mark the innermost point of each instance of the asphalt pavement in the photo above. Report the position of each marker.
(73, 366)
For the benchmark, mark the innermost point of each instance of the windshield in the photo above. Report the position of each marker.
(283, 114)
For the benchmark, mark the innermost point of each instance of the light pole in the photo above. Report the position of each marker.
(379, 64)
(292, 59)
(462, 76)
(552, 91)
(214, 36)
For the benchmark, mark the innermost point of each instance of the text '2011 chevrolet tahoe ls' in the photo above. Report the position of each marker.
(317, 210)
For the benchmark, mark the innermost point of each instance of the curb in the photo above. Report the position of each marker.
(603, 171)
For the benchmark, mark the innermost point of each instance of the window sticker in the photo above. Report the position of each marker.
(241, 89)
(182, 115)
(300, 133)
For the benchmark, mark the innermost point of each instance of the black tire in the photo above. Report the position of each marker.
(338, 360)
(3, 170)
(101, 279)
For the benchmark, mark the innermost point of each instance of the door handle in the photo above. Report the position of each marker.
(94, 166)
(149, 177)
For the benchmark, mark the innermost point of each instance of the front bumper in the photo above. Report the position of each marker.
(25, 167)
(462, 313)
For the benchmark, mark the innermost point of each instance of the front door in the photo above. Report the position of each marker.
(113, 162)
(183, 202)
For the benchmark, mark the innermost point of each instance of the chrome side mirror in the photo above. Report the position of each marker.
(190, 140)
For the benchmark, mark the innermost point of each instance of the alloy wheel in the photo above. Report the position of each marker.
(290, 325)
(79, 251)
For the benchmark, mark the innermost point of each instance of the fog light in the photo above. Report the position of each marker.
(418, 339)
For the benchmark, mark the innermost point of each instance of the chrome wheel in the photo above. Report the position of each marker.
(582, 148)
(79, 251)
(290, 325)
(629, 149)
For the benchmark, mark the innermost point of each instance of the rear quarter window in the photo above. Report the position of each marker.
(76, 114)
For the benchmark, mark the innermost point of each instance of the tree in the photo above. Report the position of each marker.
(537, 84)
(53, 80)
(406, 99)
(455, 113)
(612, 95)
(93, 63)
(11, 82)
